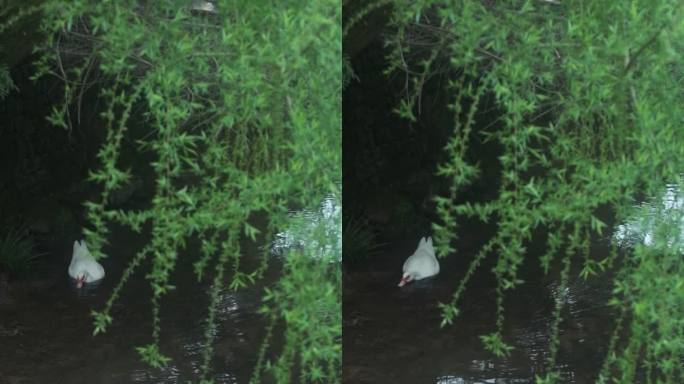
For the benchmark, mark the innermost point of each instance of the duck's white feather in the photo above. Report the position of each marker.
(82, 262)
(423, 262)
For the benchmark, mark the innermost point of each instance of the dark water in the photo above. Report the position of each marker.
(392, 335)
(46, 334)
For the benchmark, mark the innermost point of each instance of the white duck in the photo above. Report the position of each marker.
(83, 266)
(421, 264)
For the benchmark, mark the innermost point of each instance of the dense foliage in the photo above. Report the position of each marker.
(588, 97)
(242, 104)
(17, 252)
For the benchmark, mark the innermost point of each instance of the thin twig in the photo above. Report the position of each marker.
(66, 102)
(84, 87)
(632, 58)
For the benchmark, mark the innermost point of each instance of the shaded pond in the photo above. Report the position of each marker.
(46, 332)
(392, 335)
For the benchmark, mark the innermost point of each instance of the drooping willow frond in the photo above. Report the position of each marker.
(583, 91)
(240, 109)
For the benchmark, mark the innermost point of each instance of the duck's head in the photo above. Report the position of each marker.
(405, 279)
(81, 279)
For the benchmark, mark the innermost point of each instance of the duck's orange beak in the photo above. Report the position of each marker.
(80, 281)
(405, 280)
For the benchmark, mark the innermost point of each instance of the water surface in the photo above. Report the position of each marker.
(392, 335)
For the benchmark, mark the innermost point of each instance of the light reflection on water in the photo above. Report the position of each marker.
(166, 375)
(228, 304)
(171, 375)
(641, 227)
(305, 225)
(193, 345)
(461, 380)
